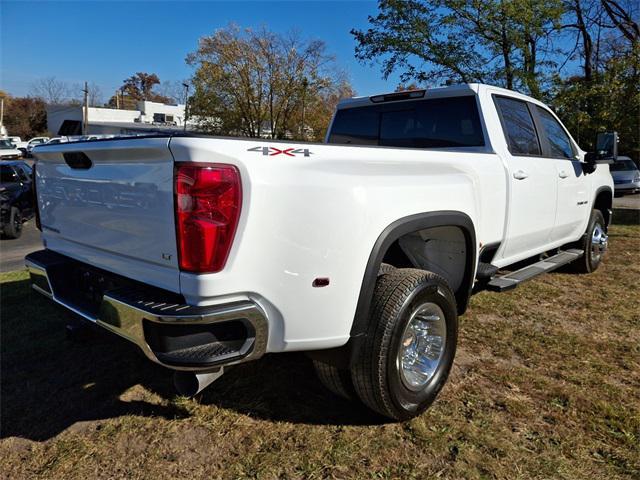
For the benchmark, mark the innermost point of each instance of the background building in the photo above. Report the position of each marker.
(149, 117)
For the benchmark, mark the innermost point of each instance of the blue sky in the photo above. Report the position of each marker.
(107, 41)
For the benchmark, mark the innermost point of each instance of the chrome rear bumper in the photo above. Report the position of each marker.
(168, 331)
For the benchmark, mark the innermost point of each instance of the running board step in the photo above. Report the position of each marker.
(512, 280)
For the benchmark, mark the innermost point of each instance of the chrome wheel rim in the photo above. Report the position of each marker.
(599, 242)
(422, 346)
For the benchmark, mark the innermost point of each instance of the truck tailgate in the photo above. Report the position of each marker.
(118, 213)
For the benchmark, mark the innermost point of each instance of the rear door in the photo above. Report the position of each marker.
(110, 204)
(532, 180)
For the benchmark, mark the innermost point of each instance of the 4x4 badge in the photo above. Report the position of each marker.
(273, 151)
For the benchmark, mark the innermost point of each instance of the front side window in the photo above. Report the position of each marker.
(559, 142)
(7, 175)
(518, 126)
(26, 169)
(22, 175)
(432, 123)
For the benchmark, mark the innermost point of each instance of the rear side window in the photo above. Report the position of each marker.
(434, 123)
(358, 126)
(518, 126)
(559, 142)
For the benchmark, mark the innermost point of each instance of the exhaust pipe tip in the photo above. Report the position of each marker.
(189, 384)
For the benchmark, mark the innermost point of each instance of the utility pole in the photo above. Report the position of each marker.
(85, 116)
(186, 104)
(1, 113)
(117, 99)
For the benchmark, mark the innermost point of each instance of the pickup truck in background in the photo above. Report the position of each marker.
(362, 251)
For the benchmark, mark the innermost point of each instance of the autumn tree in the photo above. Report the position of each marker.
(502, 42)
(24, 116)
(137, 88)
(606, 93)
(259, 83)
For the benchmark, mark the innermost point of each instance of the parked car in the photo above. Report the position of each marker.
(626, 176)
(56, 140)
(34, 142)
(16, 197)
(207, 252)
(17, 141)
(8, 151)
(19, 144)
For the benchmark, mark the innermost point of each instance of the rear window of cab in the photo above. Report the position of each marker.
(430, 123)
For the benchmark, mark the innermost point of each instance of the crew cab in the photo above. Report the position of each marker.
(362, 250)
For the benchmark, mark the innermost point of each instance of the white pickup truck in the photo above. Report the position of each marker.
(361, 251)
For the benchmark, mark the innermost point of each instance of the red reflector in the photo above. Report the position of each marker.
(208, 197)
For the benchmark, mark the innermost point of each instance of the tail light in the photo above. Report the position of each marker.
(208, 198)
(36, 210)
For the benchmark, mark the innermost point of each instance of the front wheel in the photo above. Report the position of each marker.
(410, 344)
(595, 244)
(13, 229)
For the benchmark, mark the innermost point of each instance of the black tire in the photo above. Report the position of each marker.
(592, 257)
(386, 268)
(13, 229)
(376, 374)
(336, 380)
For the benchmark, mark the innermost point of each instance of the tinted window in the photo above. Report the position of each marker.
(27, 169)
(358, 126)
(445, 122)
(558, 139)
(22, 174)
(7, 175)
(518, 127)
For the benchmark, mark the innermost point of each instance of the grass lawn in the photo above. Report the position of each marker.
(546, 384)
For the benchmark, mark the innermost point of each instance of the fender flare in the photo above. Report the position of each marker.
(392, 233)
(600, 190)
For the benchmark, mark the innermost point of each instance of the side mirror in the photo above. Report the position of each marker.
(606, 151)
(607, 146)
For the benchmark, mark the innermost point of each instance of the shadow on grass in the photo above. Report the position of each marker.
(49, 382)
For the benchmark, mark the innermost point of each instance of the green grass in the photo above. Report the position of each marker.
(546, 384)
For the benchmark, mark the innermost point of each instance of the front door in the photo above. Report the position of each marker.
(573, 199)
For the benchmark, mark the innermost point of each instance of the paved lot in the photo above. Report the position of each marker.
(12, 251)
(628, 201)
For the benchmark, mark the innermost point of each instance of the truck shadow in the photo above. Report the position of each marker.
(50, 383)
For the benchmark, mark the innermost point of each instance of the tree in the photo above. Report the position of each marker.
(259, 83)
(174, 91)
(50, 90)
(94, 97)
(493, 41)
(137, 88)
(24, 116)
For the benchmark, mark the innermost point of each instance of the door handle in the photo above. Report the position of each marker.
(520, 175)
(563, 174)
